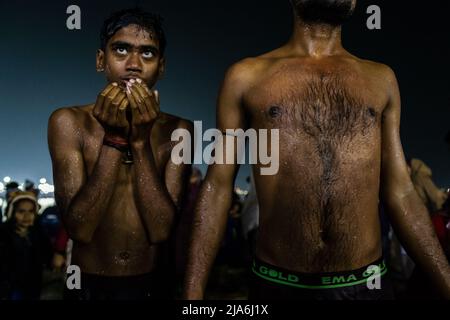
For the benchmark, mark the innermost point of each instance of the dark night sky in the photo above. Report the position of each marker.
(45, 66)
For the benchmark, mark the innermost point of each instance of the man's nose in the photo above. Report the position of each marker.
(134, 62)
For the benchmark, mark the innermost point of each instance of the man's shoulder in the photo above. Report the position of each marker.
(70, 115)
(377, 68)
(244, 73)
(380, 75)
(260, 62)
(242, 69)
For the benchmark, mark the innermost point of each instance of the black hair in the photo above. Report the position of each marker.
(12, 185)
(146, 20)
(332, 12)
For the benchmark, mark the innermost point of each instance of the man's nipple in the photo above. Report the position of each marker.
(275, 112)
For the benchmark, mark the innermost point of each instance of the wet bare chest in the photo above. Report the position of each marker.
(316, 103)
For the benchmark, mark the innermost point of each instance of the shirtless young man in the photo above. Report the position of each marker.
(114, 181)
(339, 120)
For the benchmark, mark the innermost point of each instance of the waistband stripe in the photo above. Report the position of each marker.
(318, 281)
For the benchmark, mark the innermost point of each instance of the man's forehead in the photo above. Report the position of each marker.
(135, 35)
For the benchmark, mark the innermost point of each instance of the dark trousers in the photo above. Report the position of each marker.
(95, 287)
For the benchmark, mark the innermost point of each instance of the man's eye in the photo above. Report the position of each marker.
(121, 50)
(147, 54)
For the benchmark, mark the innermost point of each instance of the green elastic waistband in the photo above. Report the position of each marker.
(320, 280)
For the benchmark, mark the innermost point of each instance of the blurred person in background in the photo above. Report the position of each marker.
(422, 178)
(419, 286)
(24, 250)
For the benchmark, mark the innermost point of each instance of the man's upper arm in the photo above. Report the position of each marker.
(396, 182)
(67, 159)
(230, 115)
(176, 175)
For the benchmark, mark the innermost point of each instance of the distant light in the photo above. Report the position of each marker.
(45, 203)
(241, 192)
(7, 179)
(46, 188)
(2, 188)
(42, 180)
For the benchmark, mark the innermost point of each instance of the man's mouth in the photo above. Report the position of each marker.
(125, 80)
(128, 78)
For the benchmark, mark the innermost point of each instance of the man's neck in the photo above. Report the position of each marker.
(316, 40)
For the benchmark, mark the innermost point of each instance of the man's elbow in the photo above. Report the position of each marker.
(162, 232)
(80, 236)
(160, 236)
(79, 232)
(397, 194)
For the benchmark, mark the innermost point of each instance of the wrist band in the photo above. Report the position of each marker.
(117, 143)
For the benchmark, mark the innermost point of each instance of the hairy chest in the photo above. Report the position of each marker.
(318, 104)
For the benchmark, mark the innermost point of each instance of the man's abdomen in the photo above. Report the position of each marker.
(120, 246)
(321, 214)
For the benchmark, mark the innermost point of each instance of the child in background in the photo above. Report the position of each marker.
(24, 250)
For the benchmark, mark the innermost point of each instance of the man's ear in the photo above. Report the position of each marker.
(162, 68)
(100, 60)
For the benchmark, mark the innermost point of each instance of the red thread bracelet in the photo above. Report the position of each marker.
(116, 142)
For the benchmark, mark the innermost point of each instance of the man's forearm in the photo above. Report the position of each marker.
(210, 221)
(152, 197)
(86, 209)
(413, 226)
